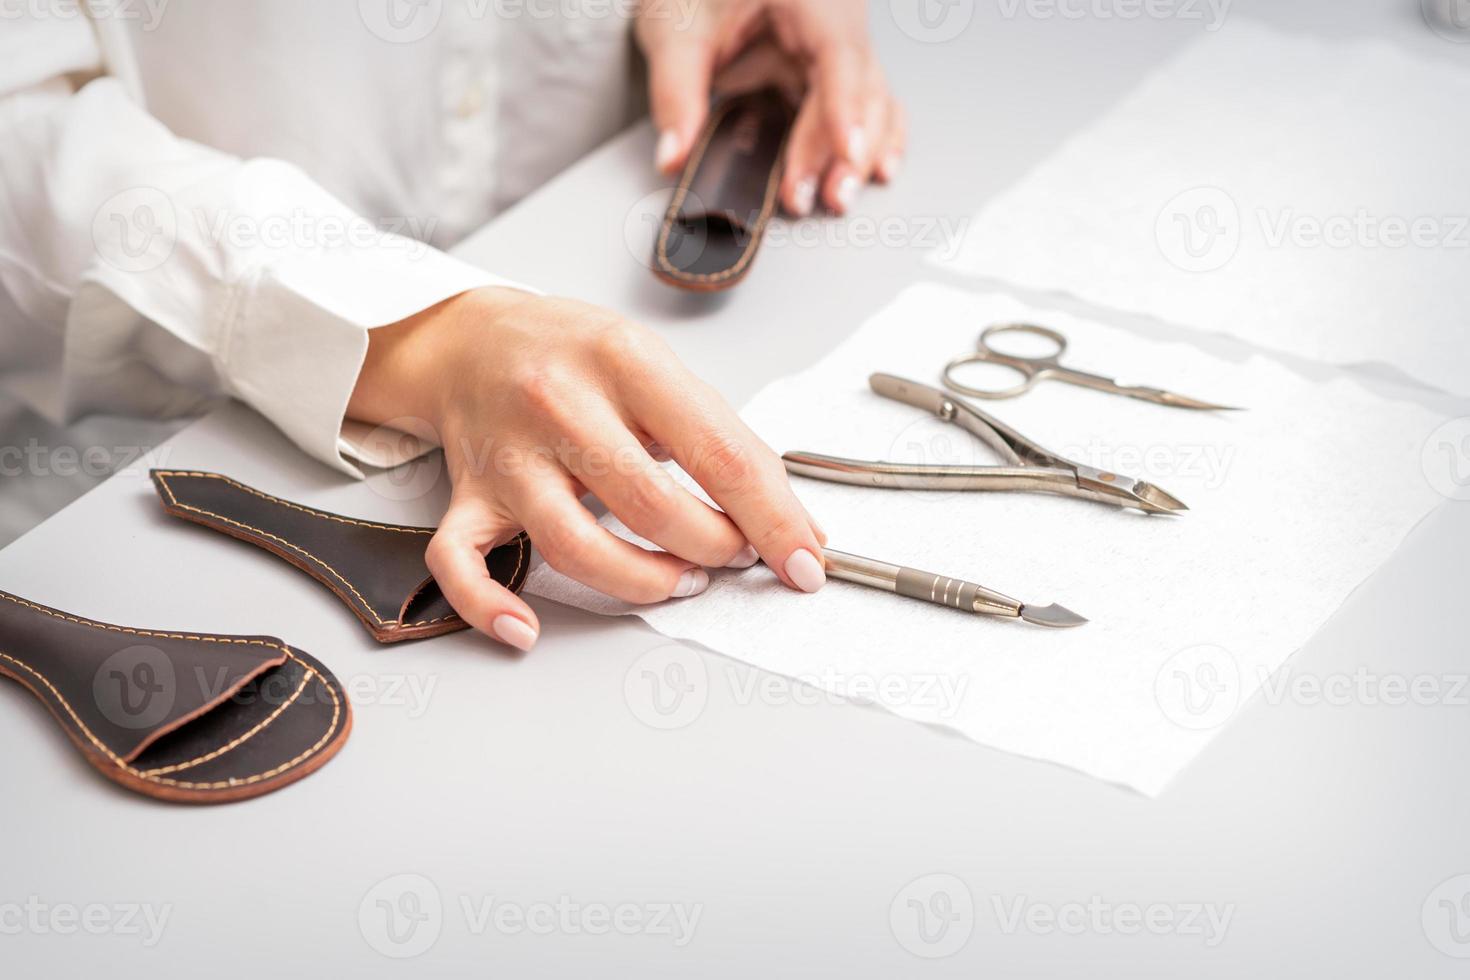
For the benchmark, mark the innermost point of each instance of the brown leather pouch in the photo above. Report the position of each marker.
(726, 194)
(182, 717)
(377, 569)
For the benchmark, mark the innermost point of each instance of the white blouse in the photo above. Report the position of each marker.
(203, 198)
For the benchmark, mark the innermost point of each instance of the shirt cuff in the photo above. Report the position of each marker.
(297, 346)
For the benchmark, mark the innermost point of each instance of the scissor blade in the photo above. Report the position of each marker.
(1055, 616)
(1161, 397)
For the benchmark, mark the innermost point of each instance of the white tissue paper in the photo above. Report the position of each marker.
(1305, 195)
(1292, 504)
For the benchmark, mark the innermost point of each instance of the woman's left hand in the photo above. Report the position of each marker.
(849, 128)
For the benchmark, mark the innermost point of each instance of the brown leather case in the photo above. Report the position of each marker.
(182, 717)
(377, 569)
(726, 194)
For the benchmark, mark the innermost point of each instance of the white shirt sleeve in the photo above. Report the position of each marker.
(149, 269)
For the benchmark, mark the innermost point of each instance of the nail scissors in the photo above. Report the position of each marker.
(1048, 367)
(1027, 465)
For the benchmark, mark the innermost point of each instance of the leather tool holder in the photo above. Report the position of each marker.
(177, 716)
(726, 194)
(377, 569)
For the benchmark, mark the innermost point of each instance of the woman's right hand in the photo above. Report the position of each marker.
(538, 401)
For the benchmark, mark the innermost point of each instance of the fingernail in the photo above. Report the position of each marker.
(804, 569)
(857, 144)
(692, 582)
(847, 191)
(806, 196)
(891, 166)
(748, 556)
(668, 148)
(514, 631)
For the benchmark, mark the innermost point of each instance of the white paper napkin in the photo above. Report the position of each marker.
(1309, 196)
(1293, 503)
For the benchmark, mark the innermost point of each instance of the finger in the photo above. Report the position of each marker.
(840, 187)
(456, 559)
(894, 145)
(845, 179)
(679, 70)
(808, 154)
(839, 85)
(739, 472)
(573, 543)
(613, 465)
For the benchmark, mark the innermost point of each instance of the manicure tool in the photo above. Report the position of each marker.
(943, 590)
(1048, 367)
(1028, 465)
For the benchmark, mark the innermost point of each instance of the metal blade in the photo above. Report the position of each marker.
(1161, 397)
(1154, 500)
(1055, 616)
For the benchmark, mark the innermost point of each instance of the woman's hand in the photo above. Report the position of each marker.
(537, 401)
(849, 129)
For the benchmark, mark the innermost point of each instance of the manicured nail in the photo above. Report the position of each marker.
(804, 569)
(891, 166)
(748, 556)
(847, 191)
(668, 148)
(857, 145)
(514, 631)
(806, 196)
(692, 582)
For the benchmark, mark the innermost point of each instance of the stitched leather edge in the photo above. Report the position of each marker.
(161, 479)
(671, 214)
(123, 763)
(381, 628)
(177, 723)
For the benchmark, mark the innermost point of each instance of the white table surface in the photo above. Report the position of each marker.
(1322, 829)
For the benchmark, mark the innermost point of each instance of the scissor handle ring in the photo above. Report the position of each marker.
(1028, 372)
(983, 344)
